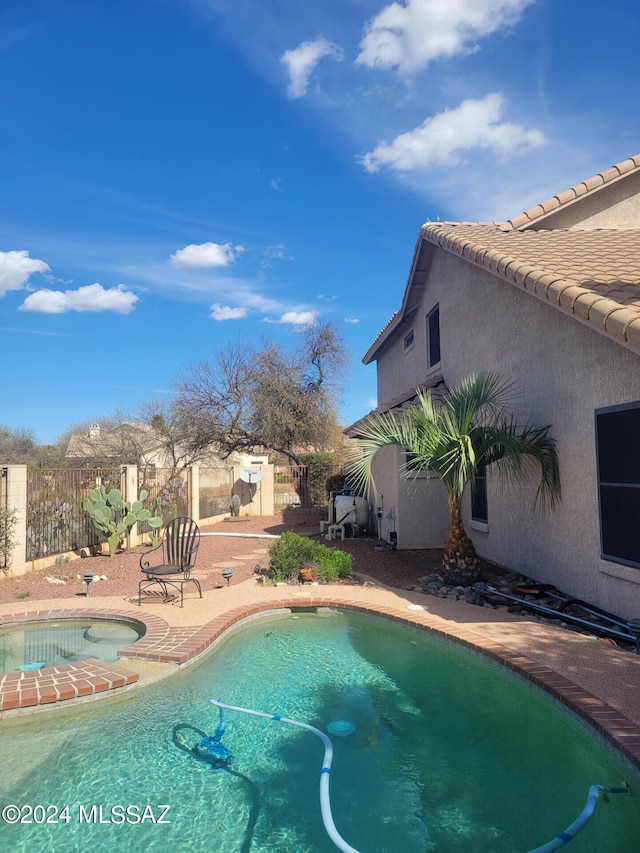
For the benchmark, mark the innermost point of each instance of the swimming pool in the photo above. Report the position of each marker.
(449, 753)
(26, 646)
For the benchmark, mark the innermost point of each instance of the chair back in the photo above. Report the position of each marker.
(181, 541)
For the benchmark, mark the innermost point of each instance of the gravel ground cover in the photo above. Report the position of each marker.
(231, 546)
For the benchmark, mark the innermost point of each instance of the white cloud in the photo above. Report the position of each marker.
(302, 60)
(297, 318)
(92, 297)
(226, 312)
(440, 140)
(353, 320)
(278, 252)
(16, 268)
(411, 35)
(198, 255)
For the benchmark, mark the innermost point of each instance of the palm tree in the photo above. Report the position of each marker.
(457, 437)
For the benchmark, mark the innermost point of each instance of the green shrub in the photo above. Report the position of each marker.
(8, 521)
(334, 563)
(291, 552)
(335, 483)
(319, 467)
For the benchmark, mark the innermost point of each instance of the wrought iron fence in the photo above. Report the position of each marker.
(168, 491)
(291, 486)
(56, 521)
(216, 485)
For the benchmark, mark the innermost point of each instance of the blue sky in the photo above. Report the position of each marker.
(180, 174)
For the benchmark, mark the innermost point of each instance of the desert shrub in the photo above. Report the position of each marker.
(334, 563)
(320, 466)
(291, 552)
(335, 483)
(8, 521)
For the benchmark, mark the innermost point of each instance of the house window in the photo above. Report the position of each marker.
(618, 455)
(433, 337)
(479, 506)
(408, 341)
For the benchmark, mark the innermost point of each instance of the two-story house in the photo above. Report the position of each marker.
(550, 299)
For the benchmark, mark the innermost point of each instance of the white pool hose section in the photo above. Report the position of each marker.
(325, 804)
(595, 792)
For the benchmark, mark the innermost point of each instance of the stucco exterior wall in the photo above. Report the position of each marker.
(418, 505)
(616, 205)
(563, 372)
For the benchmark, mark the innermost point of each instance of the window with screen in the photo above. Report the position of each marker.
(618, 453)
(433, 337)
(479, 506)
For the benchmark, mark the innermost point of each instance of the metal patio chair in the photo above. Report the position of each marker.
(169, 564)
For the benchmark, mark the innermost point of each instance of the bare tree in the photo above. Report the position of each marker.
(169, 440)
(16, 445)
(269, 398)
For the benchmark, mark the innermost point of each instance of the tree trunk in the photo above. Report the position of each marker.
(459, 560)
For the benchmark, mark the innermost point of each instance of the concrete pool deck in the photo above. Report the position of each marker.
(591, 676)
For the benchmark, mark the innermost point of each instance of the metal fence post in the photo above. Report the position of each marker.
(130, 493)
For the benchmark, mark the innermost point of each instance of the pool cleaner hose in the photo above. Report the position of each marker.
(595, 792)
(325, 802)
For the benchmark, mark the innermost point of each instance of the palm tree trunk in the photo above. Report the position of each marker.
(459, 560)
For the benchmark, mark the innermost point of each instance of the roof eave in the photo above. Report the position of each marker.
(415, 282)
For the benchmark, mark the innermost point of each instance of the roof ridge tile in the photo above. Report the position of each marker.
(582, 188)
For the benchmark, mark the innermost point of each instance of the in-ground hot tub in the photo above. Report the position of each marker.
(26, 646)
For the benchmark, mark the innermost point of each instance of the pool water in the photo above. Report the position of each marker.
(34, 645)
(448, 753)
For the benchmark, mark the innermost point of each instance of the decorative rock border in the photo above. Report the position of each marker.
(164, 644)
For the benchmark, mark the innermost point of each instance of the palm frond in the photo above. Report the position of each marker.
(454, 437)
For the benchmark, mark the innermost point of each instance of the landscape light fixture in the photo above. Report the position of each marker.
(87, 578)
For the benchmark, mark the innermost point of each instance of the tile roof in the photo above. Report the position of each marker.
(593, 275)
(534, 214)
(436, 386)
(589, 273)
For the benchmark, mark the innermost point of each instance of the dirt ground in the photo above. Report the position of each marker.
(119, 575)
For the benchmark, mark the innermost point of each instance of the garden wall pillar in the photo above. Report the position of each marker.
(255, 498)
(193, 492)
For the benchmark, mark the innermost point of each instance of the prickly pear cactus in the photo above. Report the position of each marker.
(113, 516)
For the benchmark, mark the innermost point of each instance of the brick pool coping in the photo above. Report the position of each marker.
(162, 643)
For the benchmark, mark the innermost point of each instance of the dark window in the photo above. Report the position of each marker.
(618, 449)
(479, 507)
(408, 341)
(433, 337)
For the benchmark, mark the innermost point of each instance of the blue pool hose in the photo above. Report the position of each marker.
(561, 840)
(325, 802)
(595, 792)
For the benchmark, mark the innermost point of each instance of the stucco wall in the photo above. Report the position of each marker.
(616, 205)
(564, 372)
(418, 505)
